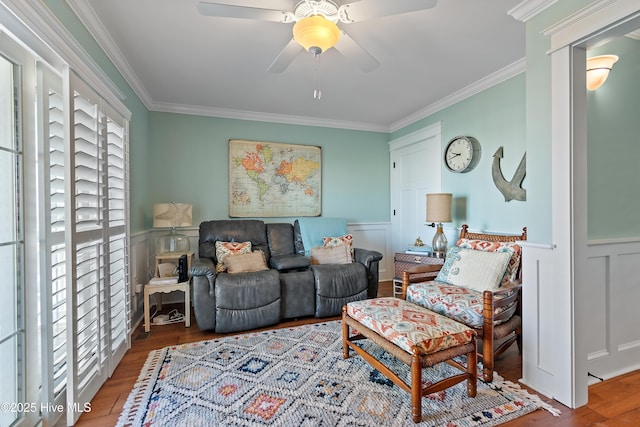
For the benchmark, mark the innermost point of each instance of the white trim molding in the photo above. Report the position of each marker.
(589, 21)
(489, 81)
(570, 338)
(91, 21)
(39, 19)
(529, 9)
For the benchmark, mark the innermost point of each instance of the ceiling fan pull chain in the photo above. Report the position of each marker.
(317, 93)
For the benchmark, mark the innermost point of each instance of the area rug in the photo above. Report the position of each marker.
(297, 377)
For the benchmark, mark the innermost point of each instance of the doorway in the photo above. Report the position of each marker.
(416, 169)
(570, 193)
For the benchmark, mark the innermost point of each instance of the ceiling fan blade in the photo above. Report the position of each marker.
(361, 10)
(356, 53)
(243, 12)
(285, 57)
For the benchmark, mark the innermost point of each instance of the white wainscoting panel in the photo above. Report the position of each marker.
(612, 300)
(538, 312)
(607, 313)
(375, 236)
(139, 273)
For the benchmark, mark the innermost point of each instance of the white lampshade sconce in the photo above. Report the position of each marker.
(172, 215)
(439, 211)
(598, 69)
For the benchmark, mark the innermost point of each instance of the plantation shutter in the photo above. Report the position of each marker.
(98, 336)
(53, 275)
(117, 214)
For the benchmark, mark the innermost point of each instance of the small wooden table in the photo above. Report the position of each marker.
(152, 289)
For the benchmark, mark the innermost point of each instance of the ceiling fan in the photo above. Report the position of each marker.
(315, 28)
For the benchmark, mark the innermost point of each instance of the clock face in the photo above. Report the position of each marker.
(462, 154)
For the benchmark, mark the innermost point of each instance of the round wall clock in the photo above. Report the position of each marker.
(462, 154)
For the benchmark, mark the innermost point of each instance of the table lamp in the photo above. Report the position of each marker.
(172, 215)
(439, 211)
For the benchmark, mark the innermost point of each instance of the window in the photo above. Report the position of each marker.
(12, 328)
(64, 223)
(64, 239)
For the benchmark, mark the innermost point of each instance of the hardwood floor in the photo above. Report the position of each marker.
(615, 402)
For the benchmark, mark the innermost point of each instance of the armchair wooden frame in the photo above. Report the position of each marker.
(499, 330)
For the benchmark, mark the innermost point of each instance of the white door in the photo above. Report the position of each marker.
(416, 168)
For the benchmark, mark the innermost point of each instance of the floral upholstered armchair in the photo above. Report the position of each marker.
(478, 285)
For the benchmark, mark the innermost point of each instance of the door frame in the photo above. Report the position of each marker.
(417, 137)
(569, 39)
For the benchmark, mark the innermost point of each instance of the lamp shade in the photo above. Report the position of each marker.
(598, 68)
(171, 215)
(316, 33)
(439, 207)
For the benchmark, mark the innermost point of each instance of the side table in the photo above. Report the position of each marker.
(173, 256)
(152, 289)
(405, 262)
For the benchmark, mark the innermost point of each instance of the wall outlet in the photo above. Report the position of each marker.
(139, 288)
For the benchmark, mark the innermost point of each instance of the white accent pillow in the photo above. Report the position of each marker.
(473, 269)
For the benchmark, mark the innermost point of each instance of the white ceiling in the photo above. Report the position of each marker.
(178, 60)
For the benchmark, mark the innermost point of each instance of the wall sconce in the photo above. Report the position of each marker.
(598, 68)
(172, 215)
(439, 211)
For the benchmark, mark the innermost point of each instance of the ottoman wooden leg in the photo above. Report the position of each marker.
(345, 334)
(416, 387)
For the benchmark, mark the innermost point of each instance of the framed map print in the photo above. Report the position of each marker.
(269, 179)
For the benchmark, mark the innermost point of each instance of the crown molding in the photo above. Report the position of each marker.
(92, 23)
(634, 35)
(491, 80)
(266, 117)
(529, 9)
(590, 21)
(38, 19)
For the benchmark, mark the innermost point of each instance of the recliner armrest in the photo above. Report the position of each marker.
(202, 269)
(366, 256)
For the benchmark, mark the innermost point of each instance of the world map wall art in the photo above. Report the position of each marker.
(269, 179)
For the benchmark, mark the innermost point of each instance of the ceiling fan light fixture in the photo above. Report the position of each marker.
(316, 33)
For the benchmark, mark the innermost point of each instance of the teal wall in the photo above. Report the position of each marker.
(605, 194)
(189, 162)
(139, 124)
(614, 145)
(185, 158)
(496, 118)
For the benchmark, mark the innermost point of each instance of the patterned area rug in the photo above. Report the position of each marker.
(297, 377)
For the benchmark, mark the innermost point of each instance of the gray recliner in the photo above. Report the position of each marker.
(291, 288)
(226, 302)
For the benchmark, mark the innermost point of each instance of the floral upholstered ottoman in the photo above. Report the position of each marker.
(414, 335)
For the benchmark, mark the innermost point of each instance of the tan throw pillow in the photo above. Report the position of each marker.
(227, 248)
(346, 240)
(246, 263)
(330, 255)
